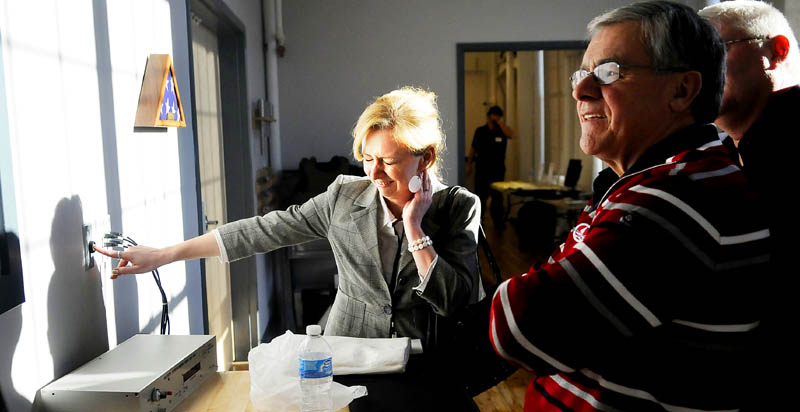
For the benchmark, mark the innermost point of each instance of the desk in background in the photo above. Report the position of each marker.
(518, 185)
(543, 213)
(516, 188)
(538, 191)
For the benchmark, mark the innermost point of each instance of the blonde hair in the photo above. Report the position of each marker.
(412, 116)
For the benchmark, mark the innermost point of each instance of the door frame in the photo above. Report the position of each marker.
(462, 48)
(238, 171)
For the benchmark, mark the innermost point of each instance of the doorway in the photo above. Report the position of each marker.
(529, 81)
(205, 51)
(224, 169)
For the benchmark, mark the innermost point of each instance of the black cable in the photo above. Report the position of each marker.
(164, 306)
(115, 239)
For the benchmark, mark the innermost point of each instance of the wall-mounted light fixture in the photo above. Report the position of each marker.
(159, 99)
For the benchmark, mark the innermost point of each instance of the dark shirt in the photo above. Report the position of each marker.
(768, 151)
(490, 147)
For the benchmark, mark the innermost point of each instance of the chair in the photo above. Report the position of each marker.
(573, 173)
(305, 274)
(535, 225)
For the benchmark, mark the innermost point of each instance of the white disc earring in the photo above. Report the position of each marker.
(415, 184)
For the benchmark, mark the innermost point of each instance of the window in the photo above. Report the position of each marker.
(11, 287)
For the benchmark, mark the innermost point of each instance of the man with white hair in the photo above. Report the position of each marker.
(761, 91)
(763, 64)
(761, 94)
(760, 100)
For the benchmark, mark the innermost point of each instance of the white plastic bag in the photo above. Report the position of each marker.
(274, 380)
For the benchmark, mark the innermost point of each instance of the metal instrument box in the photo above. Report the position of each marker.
(146, 373)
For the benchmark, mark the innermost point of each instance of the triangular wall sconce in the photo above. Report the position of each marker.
(159, 99)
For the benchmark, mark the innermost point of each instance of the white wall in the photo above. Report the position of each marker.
(73, 71)
(342, 53)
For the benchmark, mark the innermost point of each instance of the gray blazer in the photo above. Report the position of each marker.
(365, 305)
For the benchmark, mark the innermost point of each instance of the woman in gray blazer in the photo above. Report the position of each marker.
(405, 244)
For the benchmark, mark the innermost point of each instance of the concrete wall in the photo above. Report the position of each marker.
(342, 53)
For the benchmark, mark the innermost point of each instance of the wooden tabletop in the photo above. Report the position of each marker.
(230, 392)
(223, 391)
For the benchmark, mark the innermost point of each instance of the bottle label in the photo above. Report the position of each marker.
(311, 369)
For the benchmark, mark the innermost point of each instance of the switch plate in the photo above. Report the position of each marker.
(88, 260)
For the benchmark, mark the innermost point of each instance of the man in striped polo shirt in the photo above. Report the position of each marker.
(652, 302)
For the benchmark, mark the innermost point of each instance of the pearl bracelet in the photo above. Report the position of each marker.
(420, 244)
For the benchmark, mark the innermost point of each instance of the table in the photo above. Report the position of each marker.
(230, 392)
(420, 389)
(511, 188)
(425, 386)
(224, 391)
(517, 185)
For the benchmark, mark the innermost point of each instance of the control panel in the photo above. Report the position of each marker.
(146, 373)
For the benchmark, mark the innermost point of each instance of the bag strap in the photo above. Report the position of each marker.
(484, 243)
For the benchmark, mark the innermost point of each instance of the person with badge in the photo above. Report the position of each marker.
(488, 154)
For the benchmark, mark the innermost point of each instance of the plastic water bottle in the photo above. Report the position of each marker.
(316, 372)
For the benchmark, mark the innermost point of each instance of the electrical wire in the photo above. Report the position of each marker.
(119, 242)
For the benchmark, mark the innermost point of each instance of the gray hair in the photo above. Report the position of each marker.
(677, 39)
(757, 19)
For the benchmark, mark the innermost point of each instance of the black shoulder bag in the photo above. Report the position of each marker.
(462, 340)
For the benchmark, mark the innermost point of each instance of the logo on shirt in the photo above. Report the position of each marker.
(579, 232)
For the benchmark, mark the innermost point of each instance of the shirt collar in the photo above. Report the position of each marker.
(386, 218)
(683, 140)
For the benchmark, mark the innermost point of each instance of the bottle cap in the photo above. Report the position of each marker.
(313, 330)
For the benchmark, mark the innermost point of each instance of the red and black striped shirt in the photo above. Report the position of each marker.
(652, 301)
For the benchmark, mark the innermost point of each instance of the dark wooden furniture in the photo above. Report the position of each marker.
(304, 276)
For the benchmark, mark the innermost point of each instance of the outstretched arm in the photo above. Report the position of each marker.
(142, 259)
(243, 238)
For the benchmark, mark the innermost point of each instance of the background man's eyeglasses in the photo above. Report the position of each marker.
(730, 43)
(609, 72)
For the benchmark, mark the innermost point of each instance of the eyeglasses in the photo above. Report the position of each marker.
(730, 43)
(609, 72)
